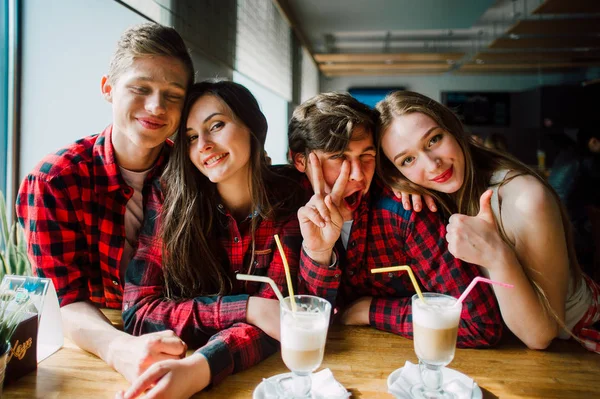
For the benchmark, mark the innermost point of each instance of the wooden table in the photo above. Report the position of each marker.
(361, 358)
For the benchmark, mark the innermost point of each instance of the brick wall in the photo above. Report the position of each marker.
(249, 36)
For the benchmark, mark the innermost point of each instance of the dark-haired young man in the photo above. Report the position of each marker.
(353, 224)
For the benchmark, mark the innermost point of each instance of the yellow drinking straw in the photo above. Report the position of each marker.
(410, 274)
(288, 277)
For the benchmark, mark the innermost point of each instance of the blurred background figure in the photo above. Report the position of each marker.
(576, 178)
(496, 141)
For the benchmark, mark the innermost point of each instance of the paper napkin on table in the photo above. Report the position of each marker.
(462, 386)
(324, 386)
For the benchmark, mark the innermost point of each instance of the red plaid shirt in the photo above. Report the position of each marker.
(72, 208)
(385, 234)
(216, 324)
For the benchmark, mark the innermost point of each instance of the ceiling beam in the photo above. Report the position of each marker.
(527, 66)
(548, 42)
(568, 7)
(569, 26)
(383, 67)
(533, 57)
(391, 57)
(380, 73)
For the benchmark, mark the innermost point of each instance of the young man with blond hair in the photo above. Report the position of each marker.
(81, 207)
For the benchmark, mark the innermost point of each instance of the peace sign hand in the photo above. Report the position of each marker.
(320, 219)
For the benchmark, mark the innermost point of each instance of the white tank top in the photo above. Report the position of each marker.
(578, 301)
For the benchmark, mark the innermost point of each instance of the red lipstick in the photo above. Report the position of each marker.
(444, 177)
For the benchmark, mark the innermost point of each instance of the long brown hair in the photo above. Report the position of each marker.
(192, 263)
(480, 164)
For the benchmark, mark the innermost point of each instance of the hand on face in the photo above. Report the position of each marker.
(320, 219)
(475, 239)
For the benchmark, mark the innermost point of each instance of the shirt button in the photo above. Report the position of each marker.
(236, 239)
(353, 244)
(255, 263)
(337, 275)
(126, 306)
(390, 274)
(115, 282)
(220, 206)
(351, 272)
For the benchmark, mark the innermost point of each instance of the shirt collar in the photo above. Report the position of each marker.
(224, 211)
(107, 176)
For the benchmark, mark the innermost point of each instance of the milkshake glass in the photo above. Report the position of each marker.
(303, 336)
(435, 328)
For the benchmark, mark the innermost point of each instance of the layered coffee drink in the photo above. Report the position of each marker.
(303, 336)
(435, 327)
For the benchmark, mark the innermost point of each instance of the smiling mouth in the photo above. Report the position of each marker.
(444, 176)
(148, 124)
(214, 160)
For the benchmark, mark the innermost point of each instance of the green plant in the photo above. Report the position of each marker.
(13, 249)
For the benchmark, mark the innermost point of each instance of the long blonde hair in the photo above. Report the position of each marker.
(480, 164)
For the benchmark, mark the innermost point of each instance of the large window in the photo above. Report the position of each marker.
(3, 93)
(275, 109)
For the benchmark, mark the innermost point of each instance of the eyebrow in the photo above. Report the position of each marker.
(209, 117)
(369, 148)
(427, 133)
(149, 79)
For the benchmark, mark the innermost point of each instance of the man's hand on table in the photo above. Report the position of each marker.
(172, 379)
(357, 314)
(131, 356)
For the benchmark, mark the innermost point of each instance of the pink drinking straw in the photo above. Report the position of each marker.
(475, 281)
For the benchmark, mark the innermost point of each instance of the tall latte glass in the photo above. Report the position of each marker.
(435, 327)
(303, 336)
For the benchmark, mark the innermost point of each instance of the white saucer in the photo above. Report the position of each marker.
(259, 390)
(448, 375)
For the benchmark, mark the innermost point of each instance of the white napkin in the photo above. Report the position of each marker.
(462, 386)
(324, 386)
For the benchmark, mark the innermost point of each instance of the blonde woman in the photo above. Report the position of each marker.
(502, 217)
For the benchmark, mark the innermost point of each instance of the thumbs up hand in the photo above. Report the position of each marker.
(475, 239)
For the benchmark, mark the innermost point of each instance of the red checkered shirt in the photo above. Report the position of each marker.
(385, 234)
(215, 324)
(72, 208)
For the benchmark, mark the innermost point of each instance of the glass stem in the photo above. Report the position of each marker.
(431, 376)
(301, 384)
